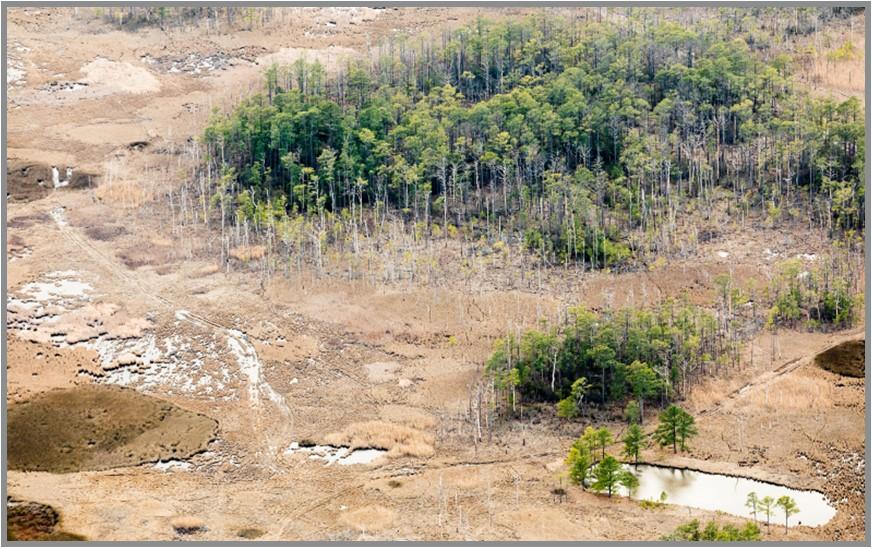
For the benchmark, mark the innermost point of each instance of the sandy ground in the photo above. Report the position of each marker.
(118, 298)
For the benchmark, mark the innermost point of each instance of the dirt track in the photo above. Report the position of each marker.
(306, 359)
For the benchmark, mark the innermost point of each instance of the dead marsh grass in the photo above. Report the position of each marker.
(793, 393)
(248, 253)
(125, 194)
(398, 440)
(369, 518)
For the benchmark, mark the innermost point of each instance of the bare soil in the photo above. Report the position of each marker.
(315, 358)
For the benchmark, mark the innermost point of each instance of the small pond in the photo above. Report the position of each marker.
(727, 494)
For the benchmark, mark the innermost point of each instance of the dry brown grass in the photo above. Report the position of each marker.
(98, 427)
(407, 416)
(795, 392)
(207, 270)
(250, 533)
(398, 440)
(369, 518)
(833, 60)
(248, 253)
(136, 256)
(125, 194)
(844, 78)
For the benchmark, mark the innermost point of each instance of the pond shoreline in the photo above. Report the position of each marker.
(728, 474)
(727, 493)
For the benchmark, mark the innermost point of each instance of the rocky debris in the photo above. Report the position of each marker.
(193, 64)
(188, 525)
(57, 87)
(82, 334)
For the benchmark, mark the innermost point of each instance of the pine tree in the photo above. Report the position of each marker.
(579, 461)
(675, 428)
(633, 442)
(788, 507)
(752, 502)
(609, 475)
(766, 505)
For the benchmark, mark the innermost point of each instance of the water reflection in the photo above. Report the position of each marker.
(726, 494)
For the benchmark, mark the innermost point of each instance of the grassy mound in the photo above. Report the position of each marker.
(98, 427)
(848, 359)
(35, 521)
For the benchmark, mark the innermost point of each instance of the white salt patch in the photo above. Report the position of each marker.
(57, 214)
(14, 73)
(251, 368)
(249, 365)
(330, 454)
(48, 291)
(362, 456)
(172, 464)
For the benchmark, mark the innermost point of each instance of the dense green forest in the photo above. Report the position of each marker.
(587, 140)
(619, 355)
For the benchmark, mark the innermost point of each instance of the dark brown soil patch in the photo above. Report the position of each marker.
(26, 182)
(848, 359)
(141, 255)
(95, 427)
(34, 521)
(105, 231)
(25, 221)
(250, 533)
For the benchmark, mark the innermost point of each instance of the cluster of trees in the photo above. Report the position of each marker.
(590, 466)
(712, 532)
(675, 428)
(766, 505)
(584, 139)
(825, 297)
(614, 356)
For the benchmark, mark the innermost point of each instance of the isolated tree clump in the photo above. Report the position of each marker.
(633, 442)
(675, 428)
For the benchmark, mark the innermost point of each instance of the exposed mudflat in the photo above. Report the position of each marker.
(100, 427)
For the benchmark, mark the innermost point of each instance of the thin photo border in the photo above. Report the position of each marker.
(443, 3)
